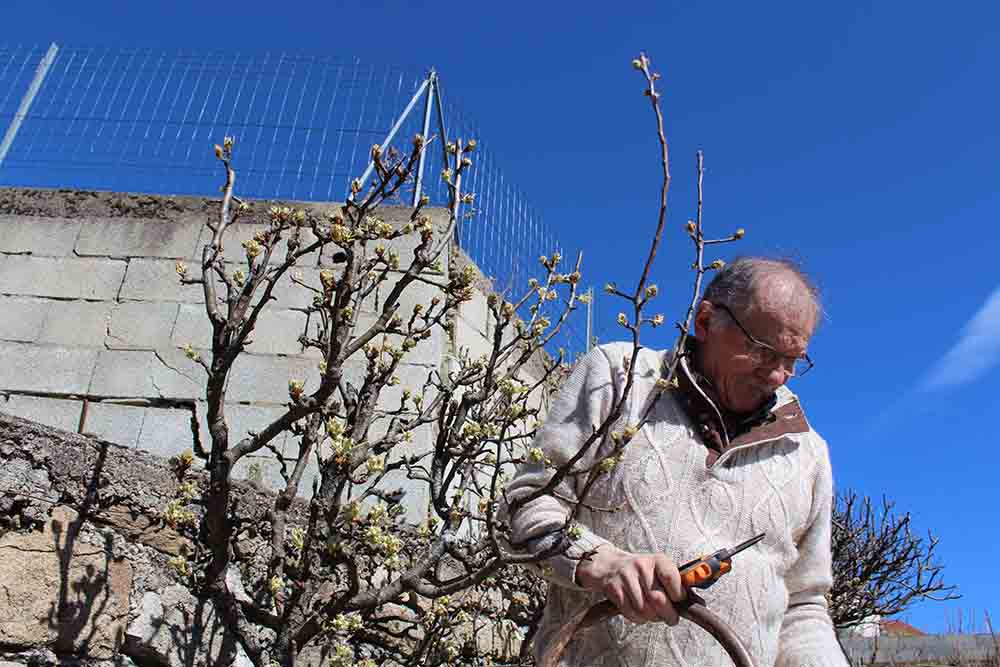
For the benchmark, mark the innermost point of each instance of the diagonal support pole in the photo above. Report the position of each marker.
(395, 128)
(29, 97)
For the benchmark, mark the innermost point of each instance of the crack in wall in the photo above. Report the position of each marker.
(176, 370)
(186, 405)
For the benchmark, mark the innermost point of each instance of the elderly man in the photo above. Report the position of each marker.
(725, 455)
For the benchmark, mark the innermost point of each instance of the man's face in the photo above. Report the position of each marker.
(778, 317)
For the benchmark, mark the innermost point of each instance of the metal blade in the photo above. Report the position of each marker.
(745, 545)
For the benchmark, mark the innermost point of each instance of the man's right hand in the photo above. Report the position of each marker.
(642, 586)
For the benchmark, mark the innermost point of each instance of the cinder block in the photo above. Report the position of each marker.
(166, 432)
(403, 245)
(259, 378)
(142, 325)
(77, 323)
(124, 237)
(416, 492)
(165, 373)
(55, 412)
(412, 377)
(276, 331)
(241, 419)
(288, 294)
(266, 471)
(38, 236)
(242, 231)
(192, 327)
(120, 424)
(415, 293)
(477, 313)
(48, 368)
(468, 336)
(22, 318)
(157, 280)
(427, 352)
(64, 277)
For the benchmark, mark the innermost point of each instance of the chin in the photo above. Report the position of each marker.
(747, 402)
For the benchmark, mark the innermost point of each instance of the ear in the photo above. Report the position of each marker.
(702, 320)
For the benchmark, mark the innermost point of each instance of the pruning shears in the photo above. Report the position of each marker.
(698, 573)
(704, 571)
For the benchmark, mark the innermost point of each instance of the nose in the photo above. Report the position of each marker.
(774, 376)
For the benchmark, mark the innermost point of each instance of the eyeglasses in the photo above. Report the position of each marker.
(763, 354)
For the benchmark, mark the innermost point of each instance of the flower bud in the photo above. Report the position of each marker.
(740, 233)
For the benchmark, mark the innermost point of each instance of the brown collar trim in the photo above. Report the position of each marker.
(787, 419)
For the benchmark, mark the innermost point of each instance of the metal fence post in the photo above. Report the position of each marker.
(29, 97)
(428, 103)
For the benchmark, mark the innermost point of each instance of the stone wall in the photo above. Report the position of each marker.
(84, 555)
(94, 319)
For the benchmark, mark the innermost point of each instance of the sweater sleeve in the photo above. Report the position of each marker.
(807, 637)
(583, 401)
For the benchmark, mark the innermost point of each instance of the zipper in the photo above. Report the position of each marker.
(724, 455)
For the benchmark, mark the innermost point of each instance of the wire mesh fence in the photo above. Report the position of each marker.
(132, 120)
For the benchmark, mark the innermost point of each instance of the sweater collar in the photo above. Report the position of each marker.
(721, 429)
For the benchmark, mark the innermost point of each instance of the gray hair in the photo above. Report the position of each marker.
(735, 284)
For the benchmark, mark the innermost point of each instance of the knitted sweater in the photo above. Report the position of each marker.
(667, 500)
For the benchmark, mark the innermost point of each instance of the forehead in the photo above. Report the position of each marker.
(782, 313)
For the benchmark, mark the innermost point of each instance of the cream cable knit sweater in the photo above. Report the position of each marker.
(670, 502)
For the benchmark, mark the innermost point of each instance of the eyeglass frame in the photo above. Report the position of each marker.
(761, 344)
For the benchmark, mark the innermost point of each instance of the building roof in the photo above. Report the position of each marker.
(892, 626)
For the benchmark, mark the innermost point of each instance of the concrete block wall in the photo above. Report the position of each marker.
(894, 651)
(93, 320)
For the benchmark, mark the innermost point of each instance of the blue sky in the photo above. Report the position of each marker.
(861, 139)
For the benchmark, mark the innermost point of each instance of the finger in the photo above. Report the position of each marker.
(660, 605)
(666, 574)
(637, 597)
(620, 599)
(653, 597)
(670, 579)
